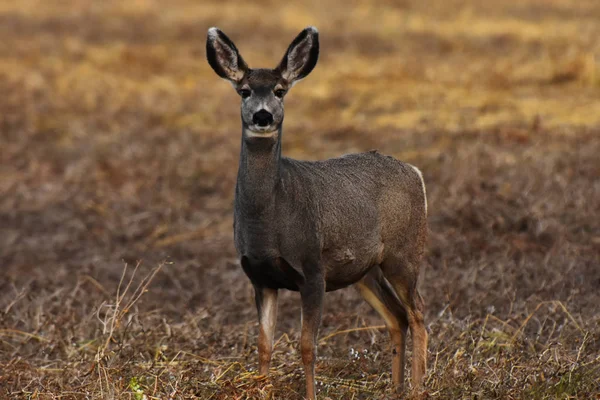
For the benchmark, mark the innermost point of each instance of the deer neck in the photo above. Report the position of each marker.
(258, 173)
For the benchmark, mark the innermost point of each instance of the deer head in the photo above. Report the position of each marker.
(262, 91)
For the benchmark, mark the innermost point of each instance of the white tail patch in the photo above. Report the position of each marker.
(422, 184)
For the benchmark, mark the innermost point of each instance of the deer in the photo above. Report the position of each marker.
(319, 226)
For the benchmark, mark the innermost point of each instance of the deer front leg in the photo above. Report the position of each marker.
(266, 304)
(312, 294)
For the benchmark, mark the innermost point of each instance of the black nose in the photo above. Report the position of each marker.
(262, 118)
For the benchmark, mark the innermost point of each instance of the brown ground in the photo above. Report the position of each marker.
(118, 144)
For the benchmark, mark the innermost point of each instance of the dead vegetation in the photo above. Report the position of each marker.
(118, 155)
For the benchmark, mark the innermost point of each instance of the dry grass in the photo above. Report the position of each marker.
(119, 147)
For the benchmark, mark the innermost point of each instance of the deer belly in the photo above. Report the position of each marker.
(345, 276)
(344, 267)
(274, 273)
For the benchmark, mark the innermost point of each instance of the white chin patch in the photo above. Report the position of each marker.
(259, 132)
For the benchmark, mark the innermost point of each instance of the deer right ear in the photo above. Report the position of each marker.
(224, 57)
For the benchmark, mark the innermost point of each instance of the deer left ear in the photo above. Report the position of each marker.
(301, 57)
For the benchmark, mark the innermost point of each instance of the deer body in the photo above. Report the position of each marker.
(317, 226)
(333, 211)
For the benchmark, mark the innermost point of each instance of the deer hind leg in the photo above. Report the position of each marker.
(404, 282)
(266, 305)
(380, 295)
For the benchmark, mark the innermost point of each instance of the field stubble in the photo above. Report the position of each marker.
(118, 158)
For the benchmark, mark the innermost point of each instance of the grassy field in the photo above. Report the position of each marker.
(118, 159)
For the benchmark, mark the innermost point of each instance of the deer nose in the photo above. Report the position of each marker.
(262, 118)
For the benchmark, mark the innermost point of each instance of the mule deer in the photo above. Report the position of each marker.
(317, 226)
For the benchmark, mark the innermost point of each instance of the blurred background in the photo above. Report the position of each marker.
(119, 147)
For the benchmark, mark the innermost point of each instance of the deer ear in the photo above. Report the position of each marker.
(224, 57)
(301, 57)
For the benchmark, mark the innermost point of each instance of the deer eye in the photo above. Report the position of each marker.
(245, 93)
(280, 93)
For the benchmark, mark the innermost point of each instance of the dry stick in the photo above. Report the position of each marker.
(113, 318)
(504, 323)
(99, 368)
(578, 356)
(106, 378)
(482, 332)
(96, 284)
(155, 389)
(233, 364)
(19, 296)
(15, 332)
(120, 297)
(283, 336)
(202, 359)
(142, 288)
(197, 233)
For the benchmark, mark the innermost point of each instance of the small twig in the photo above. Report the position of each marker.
(96, 284)
(15, 332)
(19, 296)
(578, 356)
(226, 371)
(198, 233)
